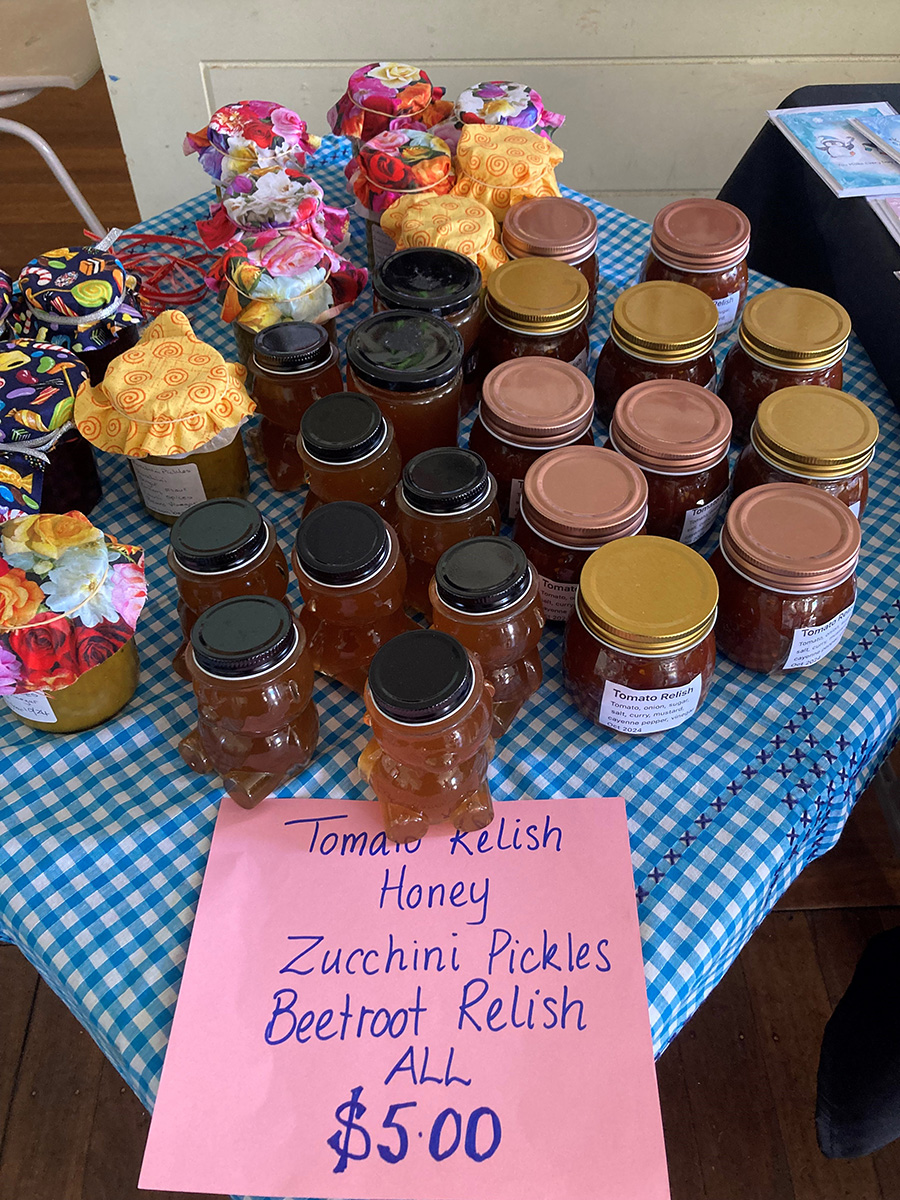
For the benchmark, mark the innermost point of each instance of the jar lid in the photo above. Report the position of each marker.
(291, 346)
(817, 431)
(243, 636)
(540, 295)
(648, 595)
(665, 321)
(74, 285)
(38, 385)
(790, 537)
(537, 401)
(342, 543)
(390, 89)
(445, 480)
(218, 535)
(422, 675)
(482, 574)
(584, 496)
(795, 328)
(428, 279)
(550, 227)
(700, 234)
(671, 426)
(404, 351)
(342, 427)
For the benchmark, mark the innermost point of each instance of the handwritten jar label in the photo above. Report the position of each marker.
(650, 711)
(168, 489)
(558, 598)
(809, 646)
(33, 705)
(698, 521)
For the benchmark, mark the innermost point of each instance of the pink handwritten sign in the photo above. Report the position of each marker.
(461, 1017)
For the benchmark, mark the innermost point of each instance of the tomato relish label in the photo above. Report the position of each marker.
(809, 646)
(698, 521)
(558, 598)
(648, 711)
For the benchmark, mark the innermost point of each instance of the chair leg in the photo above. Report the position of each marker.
(65, 179)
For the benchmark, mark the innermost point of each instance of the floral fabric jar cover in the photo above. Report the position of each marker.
(250, 134)
(499, 102)
(387, 95)
(399, 163)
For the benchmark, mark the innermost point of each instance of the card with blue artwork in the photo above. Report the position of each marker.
(883, 130)
(845, 159)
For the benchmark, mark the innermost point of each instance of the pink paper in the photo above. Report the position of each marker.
(483, 1035)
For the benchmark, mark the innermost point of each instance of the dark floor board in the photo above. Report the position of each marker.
(682, 1151)
(18, 985)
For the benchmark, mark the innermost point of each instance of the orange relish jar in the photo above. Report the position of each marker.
(555, 227)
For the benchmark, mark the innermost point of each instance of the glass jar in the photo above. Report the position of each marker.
(410, 363)
(170, 486)
(678, 434)
(659, 330)
(444, 496)
(352, 576)
(94, 697)
(485, 594)
(217, 550)
(573, 501)
(788, 337)
(703, 243)
(257, 725)
(350, 453)
(555, 227)
(429, 708)
(786, 566)
(292, 365)
(639, 650)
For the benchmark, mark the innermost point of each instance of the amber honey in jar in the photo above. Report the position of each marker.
(659, 330)
(352, 577)
(444, 496)
(555, 227)
(813, 435)
(573, 501)
(529, 406)
(786, 565)
(703, 243)
(788, 337)
(639, 649)
(678, 434)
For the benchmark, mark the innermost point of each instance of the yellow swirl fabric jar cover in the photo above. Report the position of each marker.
(458, 223)
(500, 165)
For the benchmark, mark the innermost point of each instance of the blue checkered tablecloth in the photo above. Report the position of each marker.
(104, 835)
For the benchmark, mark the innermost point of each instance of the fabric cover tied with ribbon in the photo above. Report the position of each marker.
(274, 198)
(500, 166)
(499, 102)
(387, 95)
(401, 162)
(449, 222)
(249, 134)
(5, 298)
(69, 599)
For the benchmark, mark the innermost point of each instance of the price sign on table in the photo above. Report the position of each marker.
(462, 1016)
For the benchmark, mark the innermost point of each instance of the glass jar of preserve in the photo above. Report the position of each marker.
(573, 501)
(485, 594)
(786, 566)
(659, 330)
(813, 435)
(678, 434)
(93, 699)
(429, 708)
(639, 650)
(352, 577)
(410, 363)
(555, 227)
(788, 337)
(444, 496)
(169, 485)
(703, 243)
(529, 406)
(257, 725)
(219, 549)
(348, 448)
(293, 364)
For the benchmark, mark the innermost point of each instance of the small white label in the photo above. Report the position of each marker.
(515, 496)
(581, 360)
(855, 507)
(629, 711)
(698, 521)
(33, 705)
(809, 646)
(727, 307)
(558, 598)
(168, 489)
(382, 243)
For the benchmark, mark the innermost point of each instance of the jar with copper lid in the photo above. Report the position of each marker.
(813, 435)
(678, 434)
(639, 650)
(573, 501)
(659, 330)
(789, 337)
(786, 565)
(703, 243)
(529, 406)
(555, 227)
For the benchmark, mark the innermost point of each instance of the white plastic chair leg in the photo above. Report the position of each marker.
(65, 179)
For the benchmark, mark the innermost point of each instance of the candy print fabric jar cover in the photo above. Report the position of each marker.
(5, 298)
(499, 102)
(399, 163)
(274, 198)
(387, 95)
(499, 166)
(447, 223)
(248, 134)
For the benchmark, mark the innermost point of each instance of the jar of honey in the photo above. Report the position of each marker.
(639, 650)
(429, 708)
(786, 565)
(555, 227)
(352, 577)
(444, 496)
(788, 337)
(573, 501)
(678, 434)
(659, 330)
(486, 595)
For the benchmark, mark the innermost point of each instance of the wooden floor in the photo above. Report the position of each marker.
(737, 1085)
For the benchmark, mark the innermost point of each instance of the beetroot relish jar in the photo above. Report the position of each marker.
(555, 227)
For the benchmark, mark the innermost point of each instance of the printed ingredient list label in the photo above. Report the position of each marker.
(650, 711)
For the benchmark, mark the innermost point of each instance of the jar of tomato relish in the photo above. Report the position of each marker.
(555, 227)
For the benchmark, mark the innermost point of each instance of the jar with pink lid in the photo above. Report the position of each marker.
(555, 227)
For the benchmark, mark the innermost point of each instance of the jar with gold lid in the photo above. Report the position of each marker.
(639, 649)
(659, 330)
(788, 337)
(555, 227)
(813, 435)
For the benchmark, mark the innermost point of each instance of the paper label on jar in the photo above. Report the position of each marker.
(33, 705)
(727, 307)
(629, 711)
(809, 646)
(558, 598)
(170, 489)
(855, 507)
(581, 360)
(698, 521)
(515, 496)
(382, 243)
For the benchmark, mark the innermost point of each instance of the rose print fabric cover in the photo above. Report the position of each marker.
(274, 198)
(399, 163)
(5, 298)
(387, 95)
(249, 134)
(450, 222)
(499, 102)
(499, 166)
(69, 599)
